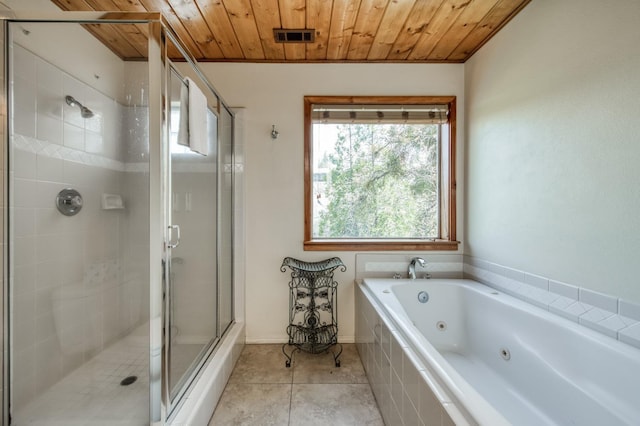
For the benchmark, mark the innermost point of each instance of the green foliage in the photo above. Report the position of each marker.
(383, 182)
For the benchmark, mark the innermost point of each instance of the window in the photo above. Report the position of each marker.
(380, 173)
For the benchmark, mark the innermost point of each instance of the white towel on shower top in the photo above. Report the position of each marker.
(198, 140)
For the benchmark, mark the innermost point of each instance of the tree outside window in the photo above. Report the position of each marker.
(379, 173)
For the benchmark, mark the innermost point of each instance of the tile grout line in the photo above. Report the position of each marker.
(293, 366)
(304, 378)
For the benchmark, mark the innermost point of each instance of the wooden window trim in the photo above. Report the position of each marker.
(448, 244)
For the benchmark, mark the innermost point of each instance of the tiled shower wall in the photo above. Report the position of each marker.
(54, 148)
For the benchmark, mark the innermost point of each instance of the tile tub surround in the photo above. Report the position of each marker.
(312, 391)
(606, 314)
(611, 316)
(386, 265)
(405, 391)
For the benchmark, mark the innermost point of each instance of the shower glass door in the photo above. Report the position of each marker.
(193, 274)
(226, 214)
(106, 324)
(79, 275)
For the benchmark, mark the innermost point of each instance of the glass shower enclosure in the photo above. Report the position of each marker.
(118, 248)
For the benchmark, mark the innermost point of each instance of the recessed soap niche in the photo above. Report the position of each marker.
(112, 202)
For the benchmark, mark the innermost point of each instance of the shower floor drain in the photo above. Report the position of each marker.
(128, 380)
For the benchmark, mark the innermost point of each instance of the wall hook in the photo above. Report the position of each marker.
(274, 132)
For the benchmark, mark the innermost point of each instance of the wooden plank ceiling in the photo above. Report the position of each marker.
(345, 30)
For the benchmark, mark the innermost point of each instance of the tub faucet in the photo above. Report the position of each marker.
(412, 266)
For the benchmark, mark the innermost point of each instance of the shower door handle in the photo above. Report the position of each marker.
(171, 244)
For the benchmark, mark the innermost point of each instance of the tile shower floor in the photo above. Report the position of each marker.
(92, 394)
(262, 391)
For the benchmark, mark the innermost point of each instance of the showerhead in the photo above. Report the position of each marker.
(84, 111)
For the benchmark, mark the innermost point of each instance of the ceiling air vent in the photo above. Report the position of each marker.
(294, 36)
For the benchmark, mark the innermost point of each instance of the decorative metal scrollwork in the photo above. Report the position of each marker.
(312, 306)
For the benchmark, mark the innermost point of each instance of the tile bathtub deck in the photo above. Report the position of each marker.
(262, 391)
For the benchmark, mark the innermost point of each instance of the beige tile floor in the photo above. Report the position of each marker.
(313, 391)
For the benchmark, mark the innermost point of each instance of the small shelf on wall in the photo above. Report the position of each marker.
(112, 202)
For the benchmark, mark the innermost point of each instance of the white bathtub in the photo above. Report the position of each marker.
(497, 360)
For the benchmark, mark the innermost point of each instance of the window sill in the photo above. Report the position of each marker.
(380, 245)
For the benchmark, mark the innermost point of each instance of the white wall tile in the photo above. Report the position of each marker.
(537, 281)
(616, 323)
(595, 315)
(24, 367)
(24, 164)
(24, 223)
(50, 99)
(49, 169)
(49, 129)
(24, 63)
(599, 300)
(24, 107)
(594, 318)
(49, 102)
(411, 379)
(574, 310)
(24, 279)
(430, 407)
(630, 335)
(410, 414)
(539, 297)
(396, 355)
(48, 274)
(629, 309)
(24, 321)
(24, 251)
(564, 289)
(112, 131)
(50, 221)
(608, 326)
(48, 363)
(393, 414)
(385, 339)
(24, 193)
(43, 303)
(48, 248)
(94, 143)
(397, 391)
(73, 136)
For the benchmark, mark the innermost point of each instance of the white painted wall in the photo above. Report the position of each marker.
(553, 176)
(273, 94)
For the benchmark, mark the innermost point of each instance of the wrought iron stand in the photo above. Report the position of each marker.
(313, 316)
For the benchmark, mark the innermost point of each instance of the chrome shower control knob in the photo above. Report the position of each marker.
(69, 202)
(73, 201)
